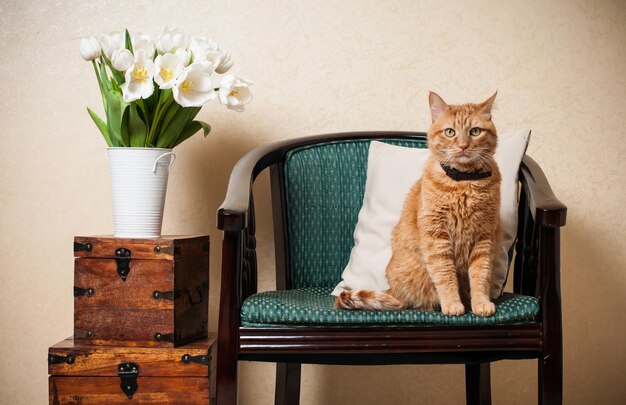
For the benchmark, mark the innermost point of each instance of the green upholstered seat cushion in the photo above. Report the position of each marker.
(313, 306)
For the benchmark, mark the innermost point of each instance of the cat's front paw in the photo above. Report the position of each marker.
(453, 308)
(483, 308)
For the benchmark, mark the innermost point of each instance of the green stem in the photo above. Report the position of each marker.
(142, 107)
(95, 68)
(165, 100)
(156, 119)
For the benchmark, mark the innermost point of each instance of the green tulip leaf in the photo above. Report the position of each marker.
(116, 107)
(116, 74)
(137, 129)
(167, 138)
(104, 79)
(168, 116)
(206, 127)
(194, 112)
(190, 129)
(124, 129)
(129, 43)
(102, 126)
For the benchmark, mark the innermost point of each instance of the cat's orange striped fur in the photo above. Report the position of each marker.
(444, 245)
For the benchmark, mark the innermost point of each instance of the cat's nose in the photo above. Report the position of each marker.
(463, 146)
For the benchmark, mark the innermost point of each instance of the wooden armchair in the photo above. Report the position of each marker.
(317, 186)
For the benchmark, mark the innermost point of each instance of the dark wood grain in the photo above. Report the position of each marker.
(545, 208)
(361, 341)
(191, 307)
(165, 247)
(550, 367)
(110, 291)
(92, 360)
(163, 378)
(288, 377)
(120, 326)
(525, 270)
(478, 384)
(127, 312)
(151, 390)
(228, 322)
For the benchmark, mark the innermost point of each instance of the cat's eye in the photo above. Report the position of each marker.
(475, 131)
(449, 132)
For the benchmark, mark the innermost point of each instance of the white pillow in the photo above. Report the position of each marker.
(391, 171)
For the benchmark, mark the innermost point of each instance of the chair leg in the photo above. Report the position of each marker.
(478, 384)
(551, 377)
(226, 377)
(287, 384)
(551, 361)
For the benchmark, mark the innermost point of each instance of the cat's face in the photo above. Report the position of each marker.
(462, 135)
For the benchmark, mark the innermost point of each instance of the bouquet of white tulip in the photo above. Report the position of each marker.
(153, 90)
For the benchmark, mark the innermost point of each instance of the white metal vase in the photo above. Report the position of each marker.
(138, 188)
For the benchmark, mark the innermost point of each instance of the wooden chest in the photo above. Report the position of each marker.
(87, 374)
(141, 292)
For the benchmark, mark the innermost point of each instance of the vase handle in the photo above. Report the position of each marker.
(162, 156)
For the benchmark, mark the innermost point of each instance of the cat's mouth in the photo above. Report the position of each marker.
(464, 157)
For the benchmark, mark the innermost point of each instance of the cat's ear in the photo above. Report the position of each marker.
(486, 105)
(437, 105)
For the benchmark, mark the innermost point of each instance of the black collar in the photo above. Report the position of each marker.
(458, 175)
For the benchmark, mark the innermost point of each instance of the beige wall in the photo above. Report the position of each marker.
(320, 66)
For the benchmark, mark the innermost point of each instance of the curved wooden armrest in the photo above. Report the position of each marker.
(231, 216)
(545, 208)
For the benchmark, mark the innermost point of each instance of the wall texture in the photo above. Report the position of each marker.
(322, 66)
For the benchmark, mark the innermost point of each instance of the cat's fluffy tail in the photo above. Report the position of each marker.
(364, 299)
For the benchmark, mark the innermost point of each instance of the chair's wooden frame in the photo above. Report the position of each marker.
(536, 273)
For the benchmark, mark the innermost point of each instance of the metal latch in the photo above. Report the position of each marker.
(82, 334)
(166, 295)
(203, 359)
(56, 359)
(122, 258)
(128, 373)
(169, 250)
(83, 291)
(165, 337)
(82, 247)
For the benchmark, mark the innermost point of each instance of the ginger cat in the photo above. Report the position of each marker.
(444, 245)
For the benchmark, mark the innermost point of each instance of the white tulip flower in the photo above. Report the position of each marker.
(111, 42)
(213, 58)
(193, 87)
(143, 41)
(172, 40)
(200, 45)
(234, 92)
(122, 59)
(184, 56)
(139, 77)
(225, 64)
(168, 68)
(206, 50)
(89, 48)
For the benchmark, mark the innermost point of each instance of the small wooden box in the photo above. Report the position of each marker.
(107, 375)
(141, 292)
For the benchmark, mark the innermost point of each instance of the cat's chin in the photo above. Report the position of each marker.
(465, 162)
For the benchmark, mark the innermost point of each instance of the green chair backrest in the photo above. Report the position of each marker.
(324, 185)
